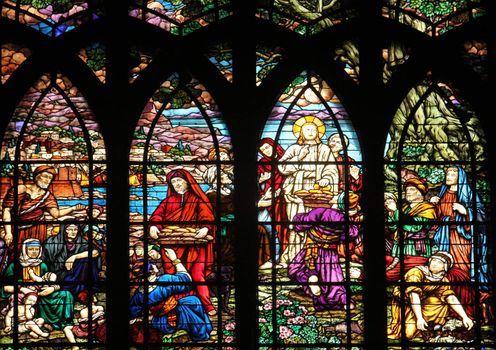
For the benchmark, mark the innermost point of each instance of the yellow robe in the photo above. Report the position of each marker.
(435, 308)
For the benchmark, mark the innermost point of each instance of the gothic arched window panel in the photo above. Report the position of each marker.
(307, 17)
(52, 18)
(53, 226)
(309, 221)
(181, 240)
(438, 233)
(433, 17)
(180, 17)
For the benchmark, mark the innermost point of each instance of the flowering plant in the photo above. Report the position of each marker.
(293, 323)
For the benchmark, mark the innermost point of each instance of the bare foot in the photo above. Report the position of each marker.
(266, 266)
(212, 313)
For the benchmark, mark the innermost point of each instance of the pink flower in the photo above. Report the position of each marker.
(268, 306)
(297, 320)
(288, 313)
(230, 326)
(303, 308)
(229, 339)
(285, 332)
(262, 320)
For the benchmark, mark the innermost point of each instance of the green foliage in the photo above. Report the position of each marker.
(96, 58)
(413, 151)
(299, 80)
(483, 190)
(58, 6)
(431, 174)
(431, 8)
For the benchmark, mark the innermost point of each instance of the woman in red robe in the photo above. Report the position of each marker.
(271, 181)
(187, 205)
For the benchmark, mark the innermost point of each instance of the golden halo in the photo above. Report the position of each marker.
(309, 119)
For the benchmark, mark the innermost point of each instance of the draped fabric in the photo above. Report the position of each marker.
(445, 234)
(191, 209)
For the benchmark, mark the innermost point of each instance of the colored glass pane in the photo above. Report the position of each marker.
(140, 58)
(13, 55)
(181, 210)
(431, 16)
(348, 58)
(53, 226)
(475, 54)
(307, 17)
(181, 17)
(310, 252)
(221, 56)
(94, 56)
(437, 209)
(268, 56)
(51, 17)
(394, 56)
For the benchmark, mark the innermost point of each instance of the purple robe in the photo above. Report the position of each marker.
(325, 230)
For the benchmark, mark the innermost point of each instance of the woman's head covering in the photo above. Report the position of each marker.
(24, 259)
(419, 183)
(352, 201)
(279, 151)
(194, 187)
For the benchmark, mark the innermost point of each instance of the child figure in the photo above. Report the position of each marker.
(98, 325)
(25, 314)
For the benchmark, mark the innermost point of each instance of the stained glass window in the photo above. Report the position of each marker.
(49, 17)
(307, 17)
(475, 54)
(94, 56)
(437, 208)
(347, 56)
(181, 17)
(268, 57)
(310, 245)
(181, 262)
(431, 16)
(53, 226)
(13, 55)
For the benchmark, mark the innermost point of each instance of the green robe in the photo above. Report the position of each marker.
(57, 309)
(416, 241)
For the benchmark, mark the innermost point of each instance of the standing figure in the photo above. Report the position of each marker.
(354, 178)
(429, 299)
(455, 202)
(271, 205)
(34, 200)
(186, 203)
(419, 215)
(305, 164)
(317, 265)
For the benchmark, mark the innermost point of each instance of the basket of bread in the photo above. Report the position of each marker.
(174, 235)
(318, 197)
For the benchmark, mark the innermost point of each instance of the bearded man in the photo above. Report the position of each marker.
(32, 202)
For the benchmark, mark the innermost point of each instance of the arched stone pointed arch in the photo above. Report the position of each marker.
(310, 255)
(181, 203)
(53, 226)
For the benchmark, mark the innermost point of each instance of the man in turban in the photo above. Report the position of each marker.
(417, 217)
(317, 265)
(32, 202)
(429, 299)
(187, 205)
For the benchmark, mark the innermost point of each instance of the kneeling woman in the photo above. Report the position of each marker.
(172, 310)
